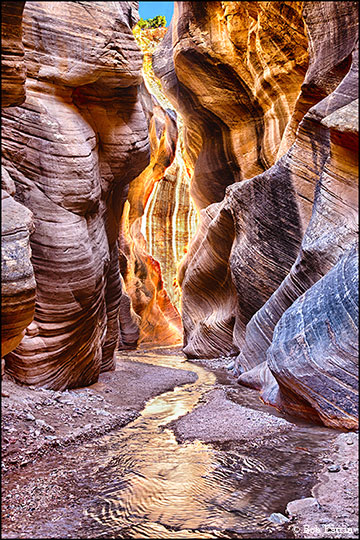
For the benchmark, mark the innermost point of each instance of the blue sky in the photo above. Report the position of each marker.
(149, 10)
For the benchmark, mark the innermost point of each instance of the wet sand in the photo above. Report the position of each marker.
(38, 423)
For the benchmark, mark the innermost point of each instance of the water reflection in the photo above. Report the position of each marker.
(193, 489)
(140, 482)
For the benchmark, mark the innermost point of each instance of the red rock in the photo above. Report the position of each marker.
(268, 99)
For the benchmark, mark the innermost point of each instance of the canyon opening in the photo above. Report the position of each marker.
(179, 269)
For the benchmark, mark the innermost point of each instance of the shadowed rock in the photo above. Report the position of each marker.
(17, 274)
(12, 54)
(72, 148)
(314, 353)
(18, 282)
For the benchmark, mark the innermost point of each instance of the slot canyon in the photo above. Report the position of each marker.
(179, 270)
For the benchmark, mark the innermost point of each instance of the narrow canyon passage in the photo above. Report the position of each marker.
(180, 270)
(141, 482)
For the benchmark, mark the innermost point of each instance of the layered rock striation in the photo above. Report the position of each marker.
(269, 100)
(159, 321)
(89, 152)
(17, 274)
(12, 54)
(72, 148)
(159, 218)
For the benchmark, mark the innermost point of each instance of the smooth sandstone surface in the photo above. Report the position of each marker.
(89, 126)
(72, 148)
(17, 274)
(159, 217)
(159, 320)
(17, 282)
(101, 251)
(269, 101)
(234, 71)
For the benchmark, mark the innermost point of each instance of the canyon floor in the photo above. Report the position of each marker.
(40, 426)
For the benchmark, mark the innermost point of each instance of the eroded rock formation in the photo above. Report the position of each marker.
(12, 54)
(17, 274)
(234, 71)
(269, 103)
(159, 320)
(72, 148)
(86, 130)
(159, 218)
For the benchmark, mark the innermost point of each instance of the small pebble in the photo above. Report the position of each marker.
(30, 417)
(334, 468)
(278, 518)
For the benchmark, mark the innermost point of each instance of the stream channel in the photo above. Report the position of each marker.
(139, 482)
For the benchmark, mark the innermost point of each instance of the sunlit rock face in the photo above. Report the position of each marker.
(72, 148)
(237, 102)
(234, 70)
(159, 321)
(17, 274)
(268, 91)
(159, 218)
(170, 219)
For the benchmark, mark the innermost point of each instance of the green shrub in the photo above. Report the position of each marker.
(155, 22)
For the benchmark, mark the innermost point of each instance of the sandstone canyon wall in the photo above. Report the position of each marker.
(159, 218)
(269, 96)
(159, 320)
(72, 148)
(17, 274)
(89, 151)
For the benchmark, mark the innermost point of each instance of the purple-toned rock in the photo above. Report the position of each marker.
(72, 148)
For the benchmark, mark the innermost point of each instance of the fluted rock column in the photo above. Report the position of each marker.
(159, 320)
(235, 70)
(159, 218)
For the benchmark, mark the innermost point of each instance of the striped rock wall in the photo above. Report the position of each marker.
(72, 148)
(17, 273)
(160, 217)
(269, 96)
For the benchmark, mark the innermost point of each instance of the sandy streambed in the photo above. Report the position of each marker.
(163, 448)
